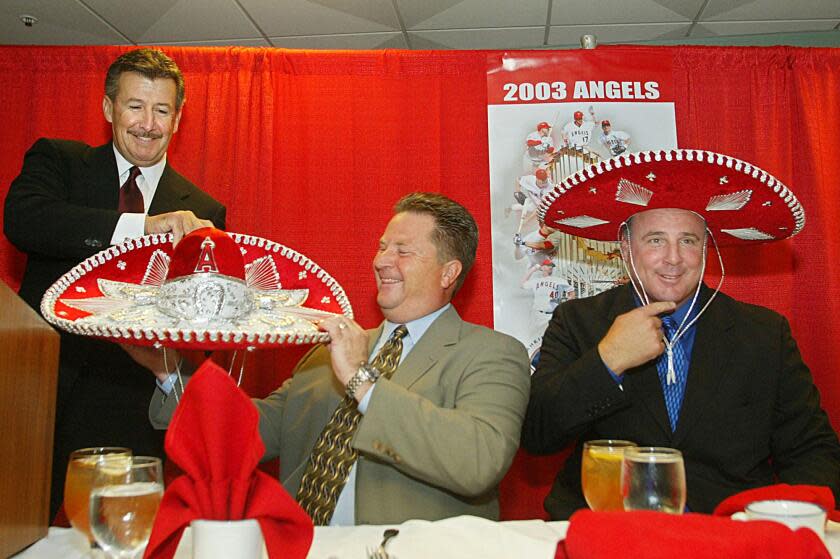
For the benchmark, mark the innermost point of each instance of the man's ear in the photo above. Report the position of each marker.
(108, 108)
(177, 119)
(624, 247)
(451, 271)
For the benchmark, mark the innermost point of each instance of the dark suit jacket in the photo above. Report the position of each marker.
(751, 413)
(60, 210)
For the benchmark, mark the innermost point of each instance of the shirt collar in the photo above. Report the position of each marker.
(150, 174)
(416, 328)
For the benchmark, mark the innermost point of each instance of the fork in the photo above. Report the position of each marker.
(379, 552)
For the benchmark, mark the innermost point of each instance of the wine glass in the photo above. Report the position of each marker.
(653, 478)
(124, 499)
(80, 471)
(600, 473)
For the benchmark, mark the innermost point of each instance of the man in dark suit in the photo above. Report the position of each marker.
(666, 361)
(72, 200)
(437, 428)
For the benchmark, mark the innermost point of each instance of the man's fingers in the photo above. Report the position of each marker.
(657, 308)
(177, 231)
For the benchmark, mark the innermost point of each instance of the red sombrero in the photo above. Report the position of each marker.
(216, 290)
(740, 202)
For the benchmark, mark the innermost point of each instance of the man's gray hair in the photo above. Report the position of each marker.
(149, 63)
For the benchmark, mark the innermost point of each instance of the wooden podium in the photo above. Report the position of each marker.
(28, 374)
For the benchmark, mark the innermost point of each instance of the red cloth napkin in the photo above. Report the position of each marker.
(214, 438)
(657, 535)
(816, 494)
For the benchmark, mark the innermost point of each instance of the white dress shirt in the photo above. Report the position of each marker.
(131, 226)
(345, 507)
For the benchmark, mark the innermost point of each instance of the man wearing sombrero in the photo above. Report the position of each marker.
(665, 360)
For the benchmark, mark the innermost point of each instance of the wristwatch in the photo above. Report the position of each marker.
(366, 373)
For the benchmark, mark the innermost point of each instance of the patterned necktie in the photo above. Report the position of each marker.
(332, 457)
(675, 391)
(131, 199)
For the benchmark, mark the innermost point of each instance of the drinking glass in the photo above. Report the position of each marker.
(600, 473)
(653, 478)
(124, 499)
(77, 485)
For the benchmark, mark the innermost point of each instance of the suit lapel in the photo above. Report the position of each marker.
(713, 348)
(103, 188)
(444, 332)
(170, 193)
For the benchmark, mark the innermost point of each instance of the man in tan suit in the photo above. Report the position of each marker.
(436, 436)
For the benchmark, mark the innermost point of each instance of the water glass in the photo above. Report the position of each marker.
(600, 473)
(124, 499)
(653, 478)
(77, 485)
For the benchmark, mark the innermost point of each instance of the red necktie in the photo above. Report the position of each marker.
(131, 199)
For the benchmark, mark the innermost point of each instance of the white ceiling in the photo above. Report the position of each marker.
(407, 24)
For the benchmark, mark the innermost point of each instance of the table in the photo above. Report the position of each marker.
(464, 537)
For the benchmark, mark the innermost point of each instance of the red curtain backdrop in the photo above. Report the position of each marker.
(312, 149)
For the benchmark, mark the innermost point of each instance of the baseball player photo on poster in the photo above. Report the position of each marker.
(550, 115)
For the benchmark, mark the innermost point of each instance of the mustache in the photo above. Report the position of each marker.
(146, 134)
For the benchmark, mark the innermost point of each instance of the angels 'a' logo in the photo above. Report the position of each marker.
(207, 259)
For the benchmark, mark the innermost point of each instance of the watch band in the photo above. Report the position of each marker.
(365, 373)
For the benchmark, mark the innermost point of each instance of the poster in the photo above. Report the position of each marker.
(551, 114)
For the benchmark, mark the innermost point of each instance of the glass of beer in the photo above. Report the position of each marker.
(600, 473)
(80, 470)
(124, 500)
(653, 478)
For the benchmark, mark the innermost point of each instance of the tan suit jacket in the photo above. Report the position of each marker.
(436, 438)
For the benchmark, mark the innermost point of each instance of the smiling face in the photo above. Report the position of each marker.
(143, 117)
(411, 280)
(667, 246)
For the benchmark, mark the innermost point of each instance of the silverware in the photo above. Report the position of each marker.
(379, 552)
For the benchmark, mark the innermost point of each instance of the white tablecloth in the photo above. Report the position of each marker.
(465, 537)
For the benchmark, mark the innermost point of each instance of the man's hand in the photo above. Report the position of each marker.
(634, 338)
(178, 223)
(348, 348)
(161, 365)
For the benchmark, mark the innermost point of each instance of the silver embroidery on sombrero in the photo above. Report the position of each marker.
(632, 193)
(581, 221)
(749, 234)
(227, 303)
(733, 201)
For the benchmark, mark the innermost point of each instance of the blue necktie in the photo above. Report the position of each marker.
(676, 390)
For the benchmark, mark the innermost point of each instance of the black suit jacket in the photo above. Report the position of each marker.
(60, 210)
(750, 415)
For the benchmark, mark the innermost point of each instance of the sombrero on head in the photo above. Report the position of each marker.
(741, 203)
(215, 290)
